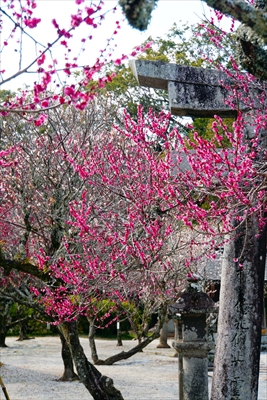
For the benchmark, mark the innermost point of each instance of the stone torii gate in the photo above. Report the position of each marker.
(198, 92)
(193, 92)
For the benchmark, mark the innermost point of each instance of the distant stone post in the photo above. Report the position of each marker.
(119, 334)
(193, 347)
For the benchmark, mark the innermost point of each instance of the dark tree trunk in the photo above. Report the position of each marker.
(123, 355)
(23, 328)
(5, 320)
(68, 374)
(22, 332)
(237, 355)
(91, 337)
(3, 334)
(5, 325)
(100, 387)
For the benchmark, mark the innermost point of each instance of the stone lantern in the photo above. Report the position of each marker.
(189, 314)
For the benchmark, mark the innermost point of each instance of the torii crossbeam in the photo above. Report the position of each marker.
(194, 92)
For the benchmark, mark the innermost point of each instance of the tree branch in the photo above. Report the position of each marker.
(243, 12)
(22, 266)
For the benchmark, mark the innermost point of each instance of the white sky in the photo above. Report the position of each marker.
(163, 17)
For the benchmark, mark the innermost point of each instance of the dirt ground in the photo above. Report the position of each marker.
(31, 369)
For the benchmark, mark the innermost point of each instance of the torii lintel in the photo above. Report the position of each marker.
(194, 92)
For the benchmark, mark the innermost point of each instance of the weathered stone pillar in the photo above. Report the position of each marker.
(177, 332)
(235, 374)
(192, 346)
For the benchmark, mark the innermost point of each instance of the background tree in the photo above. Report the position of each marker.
(28, 105)
(39, 185)
(39, 189)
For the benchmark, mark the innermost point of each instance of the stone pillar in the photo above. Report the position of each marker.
(192, 344)
(177, 333)
(193, 369)
(119, 334)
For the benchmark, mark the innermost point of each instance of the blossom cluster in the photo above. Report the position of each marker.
(48, 91)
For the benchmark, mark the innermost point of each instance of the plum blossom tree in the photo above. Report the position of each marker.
(44, 175)
(32, 106)
(55, 83)
(39, 193)
(118, 239)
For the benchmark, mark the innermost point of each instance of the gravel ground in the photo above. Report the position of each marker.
(31, 369)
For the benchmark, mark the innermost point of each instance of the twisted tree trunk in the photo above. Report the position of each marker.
(91, 337)
(68, 374)
(100, 387)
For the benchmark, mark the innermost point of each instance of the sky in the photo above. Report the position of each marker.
(163, 17)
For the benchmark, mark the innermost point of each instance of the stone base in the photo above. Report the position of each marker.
(163, 346)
